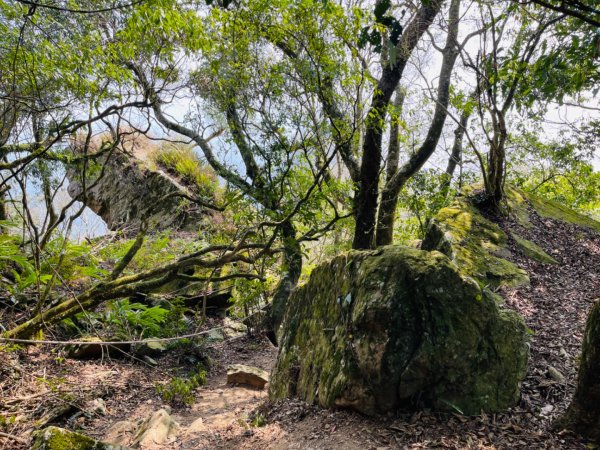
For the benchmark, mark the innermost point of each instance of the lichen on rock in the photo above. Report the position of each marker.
(398, 328)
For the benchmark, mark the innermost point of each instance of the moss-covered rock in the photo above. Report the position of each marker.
(583, 414)
(519, 201)
(554, 210)
(54, 438)
(398, 328)
(477, 245)
(533, 251)
(122, 197)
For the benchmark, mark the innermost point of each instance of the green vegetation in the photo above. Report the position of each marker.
(180, 390)
(289, 139)
(183, 162)
(292, 132)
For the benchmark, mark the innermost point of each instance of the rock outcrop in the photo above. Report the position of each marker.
(480, 247)
(477, 245)
(123, 185)
(92, 347)
(398, 328)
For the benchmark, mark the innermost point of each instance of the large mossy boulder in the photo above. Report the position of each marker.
(398, 328)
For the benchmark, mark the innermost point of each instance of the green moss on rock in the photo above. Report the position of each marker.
(554, 210)
(476, 245)
(398, 328)
(533, 251)
(54, 438)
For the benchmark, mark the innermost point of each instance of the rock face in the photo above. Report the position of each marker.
(583, 414)
(398, 328)
(129, 187)
(54, 438)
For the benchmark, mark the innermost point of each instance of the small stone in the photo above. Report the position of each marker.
(197, 426)
(247, 375)
(98, 406)
(547, 409)
(215, 336)
(120, 433)
(233, 328)
(91, 349)
(555, 374)
(150, 361)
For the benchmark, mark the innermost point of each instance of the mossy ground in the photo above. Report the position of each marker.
(533, 251)
(518, 202)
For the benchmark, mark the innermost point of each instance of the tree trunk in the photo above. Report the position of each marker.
(583, 415)
(389, 199)
(292, 268)
(420, 157)
(3, 209)
(368, 189)
(456, 154)
(457, 149)
(497, 160)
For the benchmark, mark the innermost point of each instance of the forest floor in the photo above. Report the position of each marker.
(36, 381)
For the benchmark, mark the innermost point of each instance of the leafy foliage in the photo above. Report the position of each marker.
(180, 390)
(135, 319)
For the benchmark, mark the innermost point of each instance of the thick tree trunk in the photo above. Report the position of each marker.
(292, 268)
(368, 190)
(3, 209)
(583, 415)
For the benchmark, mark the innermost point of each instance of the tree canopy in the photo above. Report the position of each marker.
(325, 124)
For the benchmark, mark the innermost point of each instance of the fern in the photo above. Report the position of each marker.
(136, 318)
